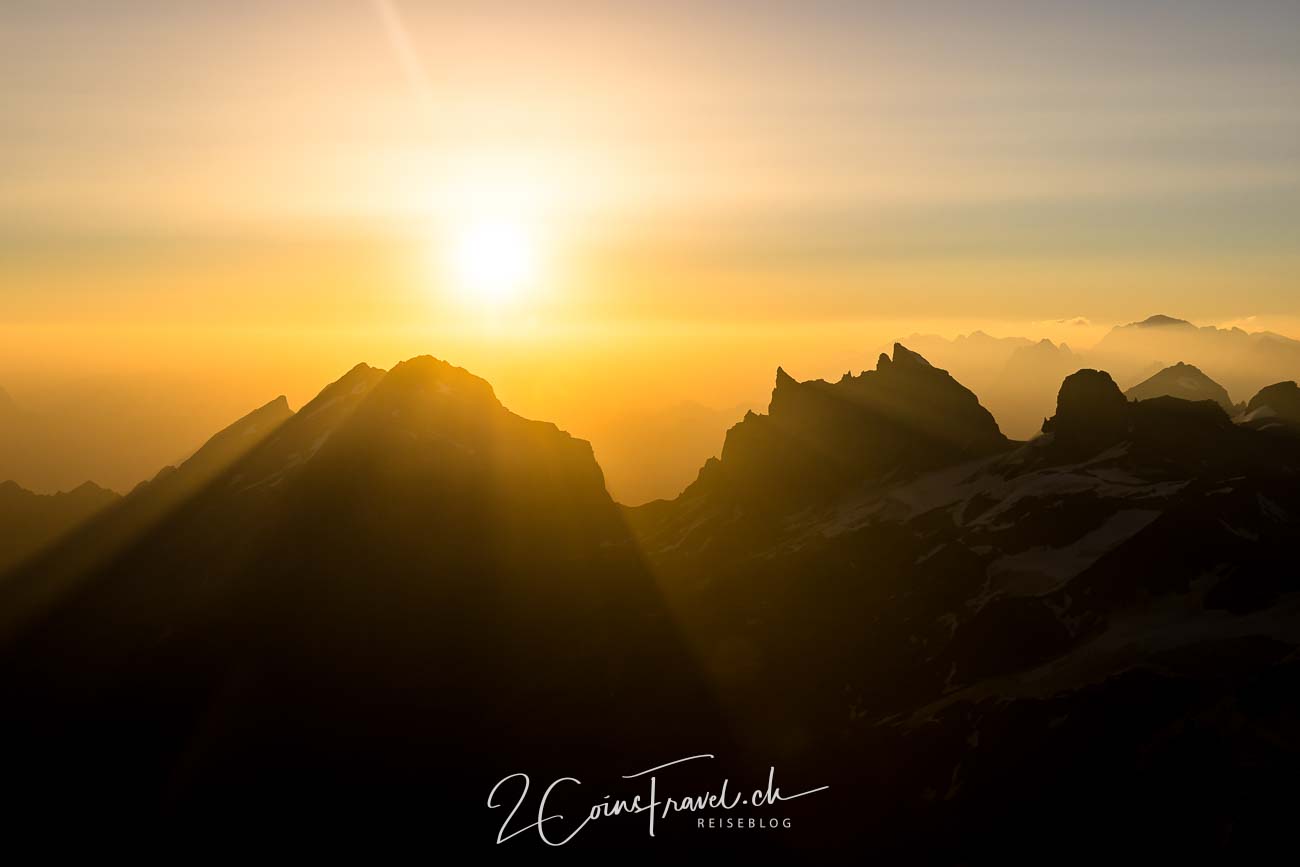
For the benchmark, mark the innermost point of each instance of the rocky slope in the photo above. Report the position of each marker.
(402, 582)
(1094, 632)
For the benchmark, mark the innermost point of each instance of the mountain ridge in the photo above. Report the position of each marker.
(871, 576)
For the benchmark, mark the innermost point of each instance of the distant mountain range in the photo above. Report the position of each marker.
(31, 521)
(1017, 378)
(1243, 362)
(654, 454)
(379, 605)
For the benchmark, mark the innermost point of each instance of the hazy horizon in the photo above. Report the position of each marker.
(208, 206)
(106, 419)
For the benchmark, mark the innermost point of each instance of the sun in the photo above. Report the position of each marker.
(494, 261)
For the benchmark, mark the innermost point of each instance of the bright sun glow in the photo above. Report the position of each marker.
(495, 262)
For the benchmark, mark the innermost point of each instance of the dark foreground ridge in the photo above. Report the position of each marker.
(373, 609)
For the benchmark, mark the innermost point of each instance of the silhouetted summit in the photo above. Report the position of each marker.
(1160, 321)
(1092, 414)
(1183, 381)
(403, 592)
(402, 582)
(231, 443)
(1090, 410)
(1012, 634)
(818, 437)
(1277, 404)
(1242, 362)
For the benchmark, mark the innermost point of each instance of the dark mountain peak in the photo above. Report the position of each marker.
(1273, 404)
(1163, 430)
(272, 412)
(1278, 395)
(214, 457)
(906, 359)
(425, 376)
(1089, 390)
(352, 384)
(1090, 409)
(355, 559)
(429, 431)
(1184, 381)
(90, 489)
(232, 441)
(819, 438)
(1161, 321)
(783, 378)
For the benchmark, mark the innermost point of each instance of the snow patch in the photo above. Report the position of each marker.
(1041, 570)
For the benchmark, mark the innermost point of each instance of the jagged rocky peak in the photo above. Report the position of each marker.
(820, 437)
(1183, 381)
(427, 416)
(356, 382)
(272, 413)
(432, 377)
(906, 359)
(257, 423)
(1045, 347)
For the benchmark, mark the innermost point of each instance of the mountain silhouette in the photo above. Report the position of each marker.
(1090, 411)
(1243, 361)
(29, 521)
(1026, 386)
(382, 604)
(1275, 406)
(219, 452)
(1161, 321)
(1016, 633)
(401, 583)
(819, 438)
(1017, 378)
(1183, 381)
(979, 356)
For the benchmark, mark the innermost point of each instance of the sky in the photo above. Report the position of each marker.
(252, 196)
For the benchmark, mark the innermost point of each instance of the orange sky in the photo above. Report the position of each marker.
(246, 198)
